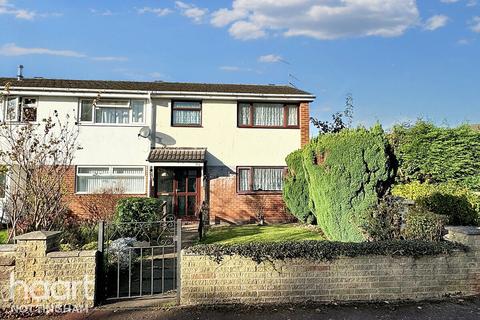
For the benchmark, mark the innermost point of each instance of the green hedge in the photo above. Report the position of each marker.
(346, 174)
(435, 154)
(295, 188)
(325, 250)
(461, 205)
(423, 225)
(138, 210)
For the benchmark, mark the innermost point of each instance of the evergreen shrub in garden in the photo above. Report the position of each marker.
(428, 153)
(295, 188)
(138, 210)
(346, 174)
(423, 225)
(461, 205)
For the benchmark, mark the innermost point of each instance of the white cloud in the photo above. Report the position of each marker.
(435, 22)
(11, 49)
(270, 58)
(191, 11)
(470, 3)
(475, 24)
(157, 11)
(104, 13)
(449, 1)
(235, 69)
(320, 19)
(7, 8)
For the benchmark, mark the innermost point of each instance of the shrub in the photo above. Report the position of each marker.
(325, 250)
(423, 225)
(138, 210)
(295, 189)
(428, 153)
(461, 205)
(384, 220)
(346, 174)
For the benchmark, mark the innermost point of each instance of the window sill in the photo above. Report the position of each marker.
(122, 125)
(259, 193)
(266, 127)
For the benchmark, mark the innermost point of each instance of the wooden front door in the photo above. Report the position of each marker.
(180, 187)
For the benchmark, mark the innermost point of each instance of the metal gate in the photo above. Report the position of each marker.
(140, 258)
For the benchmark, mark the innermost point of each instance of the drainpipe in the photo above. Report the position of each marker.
(153, 135)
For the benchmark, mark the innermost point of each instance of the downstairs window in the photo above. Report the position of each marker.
(260, 179)
(122, 180)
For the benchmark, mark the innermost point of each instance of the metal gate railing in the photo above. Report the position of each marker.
(140, 258)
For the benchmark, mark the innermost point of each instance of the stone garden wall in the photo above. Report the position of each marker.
(33, 273)
(240, 280)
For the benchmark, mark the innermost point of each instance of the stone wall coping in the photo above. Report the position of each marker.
(38, 235)
(70, 254)
(8, 248)
(467, 230)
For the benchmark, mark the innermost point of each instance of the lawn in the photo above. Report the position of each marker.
(3, 236)
(254, 233)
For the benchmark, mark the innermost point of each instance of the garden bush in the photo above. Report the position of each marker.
(428, 153)
(423, 225)
(295, 189)
(325, 250)
(461, 205)
(346, 173)
(384, 220)
(138, 210)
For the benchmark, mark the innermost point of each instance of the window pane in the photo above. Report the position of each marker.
(111, 115)
(186, 117)
(138, 107)
(244, 114)
(181, 205)
(267, 179)
(93, 170)
(29, 114)
(243, 176)
(86, 110)
(128, 171)
(292, 116)
(99, 183)
(12, 109)
(187, 105)
(165, 180)
(191, 205)
(270, 115)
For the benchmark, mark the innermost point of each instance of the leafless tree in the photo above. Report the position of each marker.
(36, 157)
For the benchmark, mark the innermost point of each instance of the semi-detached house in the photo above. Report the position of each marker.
(185, 143)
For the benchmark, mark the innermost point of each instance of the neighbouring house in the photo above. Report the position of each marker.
(185, 143)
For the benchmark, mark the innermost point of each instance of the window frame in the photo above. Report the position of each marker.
(18, 109)
(110, 174)
(250, 178)
(130, 113)
(285, 125)
(172, 108)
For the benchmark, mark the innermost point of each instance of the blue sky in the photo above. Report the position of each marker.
(400, 59)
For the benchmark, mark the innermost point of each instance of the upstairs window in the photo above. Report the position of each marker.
(267, 115)
(110, 111)
(21, 109)
(186, 113)
(258, 179)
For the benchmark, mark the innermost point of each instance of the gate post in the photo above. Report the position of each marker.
(100, 284)
(179, 258)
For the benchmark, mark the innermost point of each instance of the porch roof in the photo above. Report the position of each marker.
(173, 154)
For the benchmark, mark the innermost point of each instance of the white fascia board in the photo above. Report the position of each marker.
(176, 164)
(158, 94)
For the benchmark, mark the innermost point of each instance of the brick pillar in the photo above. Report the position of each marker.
(304, 123)
(469, 236)
(30, 264)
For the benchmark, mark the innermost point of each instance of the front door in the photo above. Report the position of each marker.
(180, 187)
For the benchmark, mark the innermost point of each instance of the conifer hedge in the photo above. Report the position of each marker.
(295, 188)
(428, 153)
(345, 174)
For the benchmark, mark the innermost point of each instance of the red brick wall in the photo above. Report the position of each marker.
(226, 206)
(304, 123)
(74, 200)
